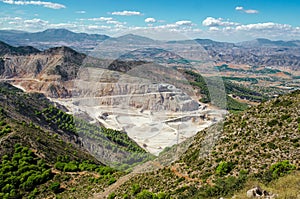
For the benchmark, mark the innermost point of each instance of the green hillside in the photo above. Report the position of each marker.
(220, 91)
(259, 145)
(43, 153)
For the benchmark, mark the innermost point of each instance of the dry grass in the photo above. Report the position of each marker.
(287, 187)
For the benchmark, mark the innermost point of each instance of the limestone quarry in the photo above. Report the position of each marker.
(155, 115)
(152, 103)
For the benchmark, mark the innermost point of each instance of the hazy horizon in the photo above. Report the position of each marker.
(184, 38)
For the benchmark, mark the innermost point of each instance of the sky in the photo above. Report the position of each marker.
(221, 20)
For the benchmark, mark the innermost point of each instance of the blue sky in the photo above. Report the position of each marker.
(223, 20)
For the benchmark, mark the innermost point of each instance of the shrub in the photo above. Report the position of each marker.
(55, 187)
(162, 195)
(281, 168)
(111, 196)
(59, 166)
(111, 180)
(135, 189)
(224, 168)
(70, 167)
(126, 196)
(145, 195)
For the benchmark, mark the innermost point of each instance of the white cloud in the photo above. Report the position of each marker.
(240, 8)
(150, 20)
(213, 22)
(96, 28)
(100, 19)
(184, 23)
(251, 11)
(115, 22)
(213, 29)
(45, 4)
(127, 13)
(35, 24)
(264, 26)
(80, 12)
(217, 28)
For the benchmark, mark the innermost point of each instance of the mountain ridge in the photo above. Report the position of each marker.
(258, 52)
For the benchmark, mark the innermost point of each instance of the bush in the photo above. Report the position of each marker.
(162, 195)
(224, 168)
(126, 196)
(55, 187)
(59, 166)
(135, 189)
(281, 168)
(111, 196)
(145, 195)
(70, 167)
(112, 180)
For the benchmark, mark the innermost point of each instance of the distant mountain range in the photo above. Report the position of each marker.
(52, 38)
(19, 38)
(258, 52)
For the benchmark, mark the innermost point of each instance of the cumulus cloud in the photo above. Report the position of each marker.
(45, 4)
(35, 24)
(240, 8)
(184, 23)
(127, 13)
(150, 20)
(213, 22)
(100, 19)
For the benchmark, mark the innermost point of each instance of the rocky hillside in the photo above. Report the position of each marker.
(41, 71)
(32, 149)
(54, 70)
(261, 143)
(23, 50)
(61, 63)
(46, 151)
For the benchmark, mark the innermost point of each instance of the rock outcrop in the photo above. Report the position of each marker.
(155, 97)
(258, 192)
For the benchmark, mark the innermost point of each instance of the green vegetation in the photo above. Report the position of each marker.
(58, 119)
(36, 111)
(22, 173)
(281, 168)
(222, 187)
(224, 168)
(55, 187)
(217, 91)
(258, 145)
(4, 128)
(116, 142)
(242, 79)
(57, 166)
(112, 140)
(254, 70)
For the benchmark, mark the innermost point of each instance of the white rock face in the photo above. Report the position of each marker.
(154, 97)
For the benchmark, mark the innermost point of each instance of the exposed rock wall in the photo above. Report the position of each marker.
(156, 97)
